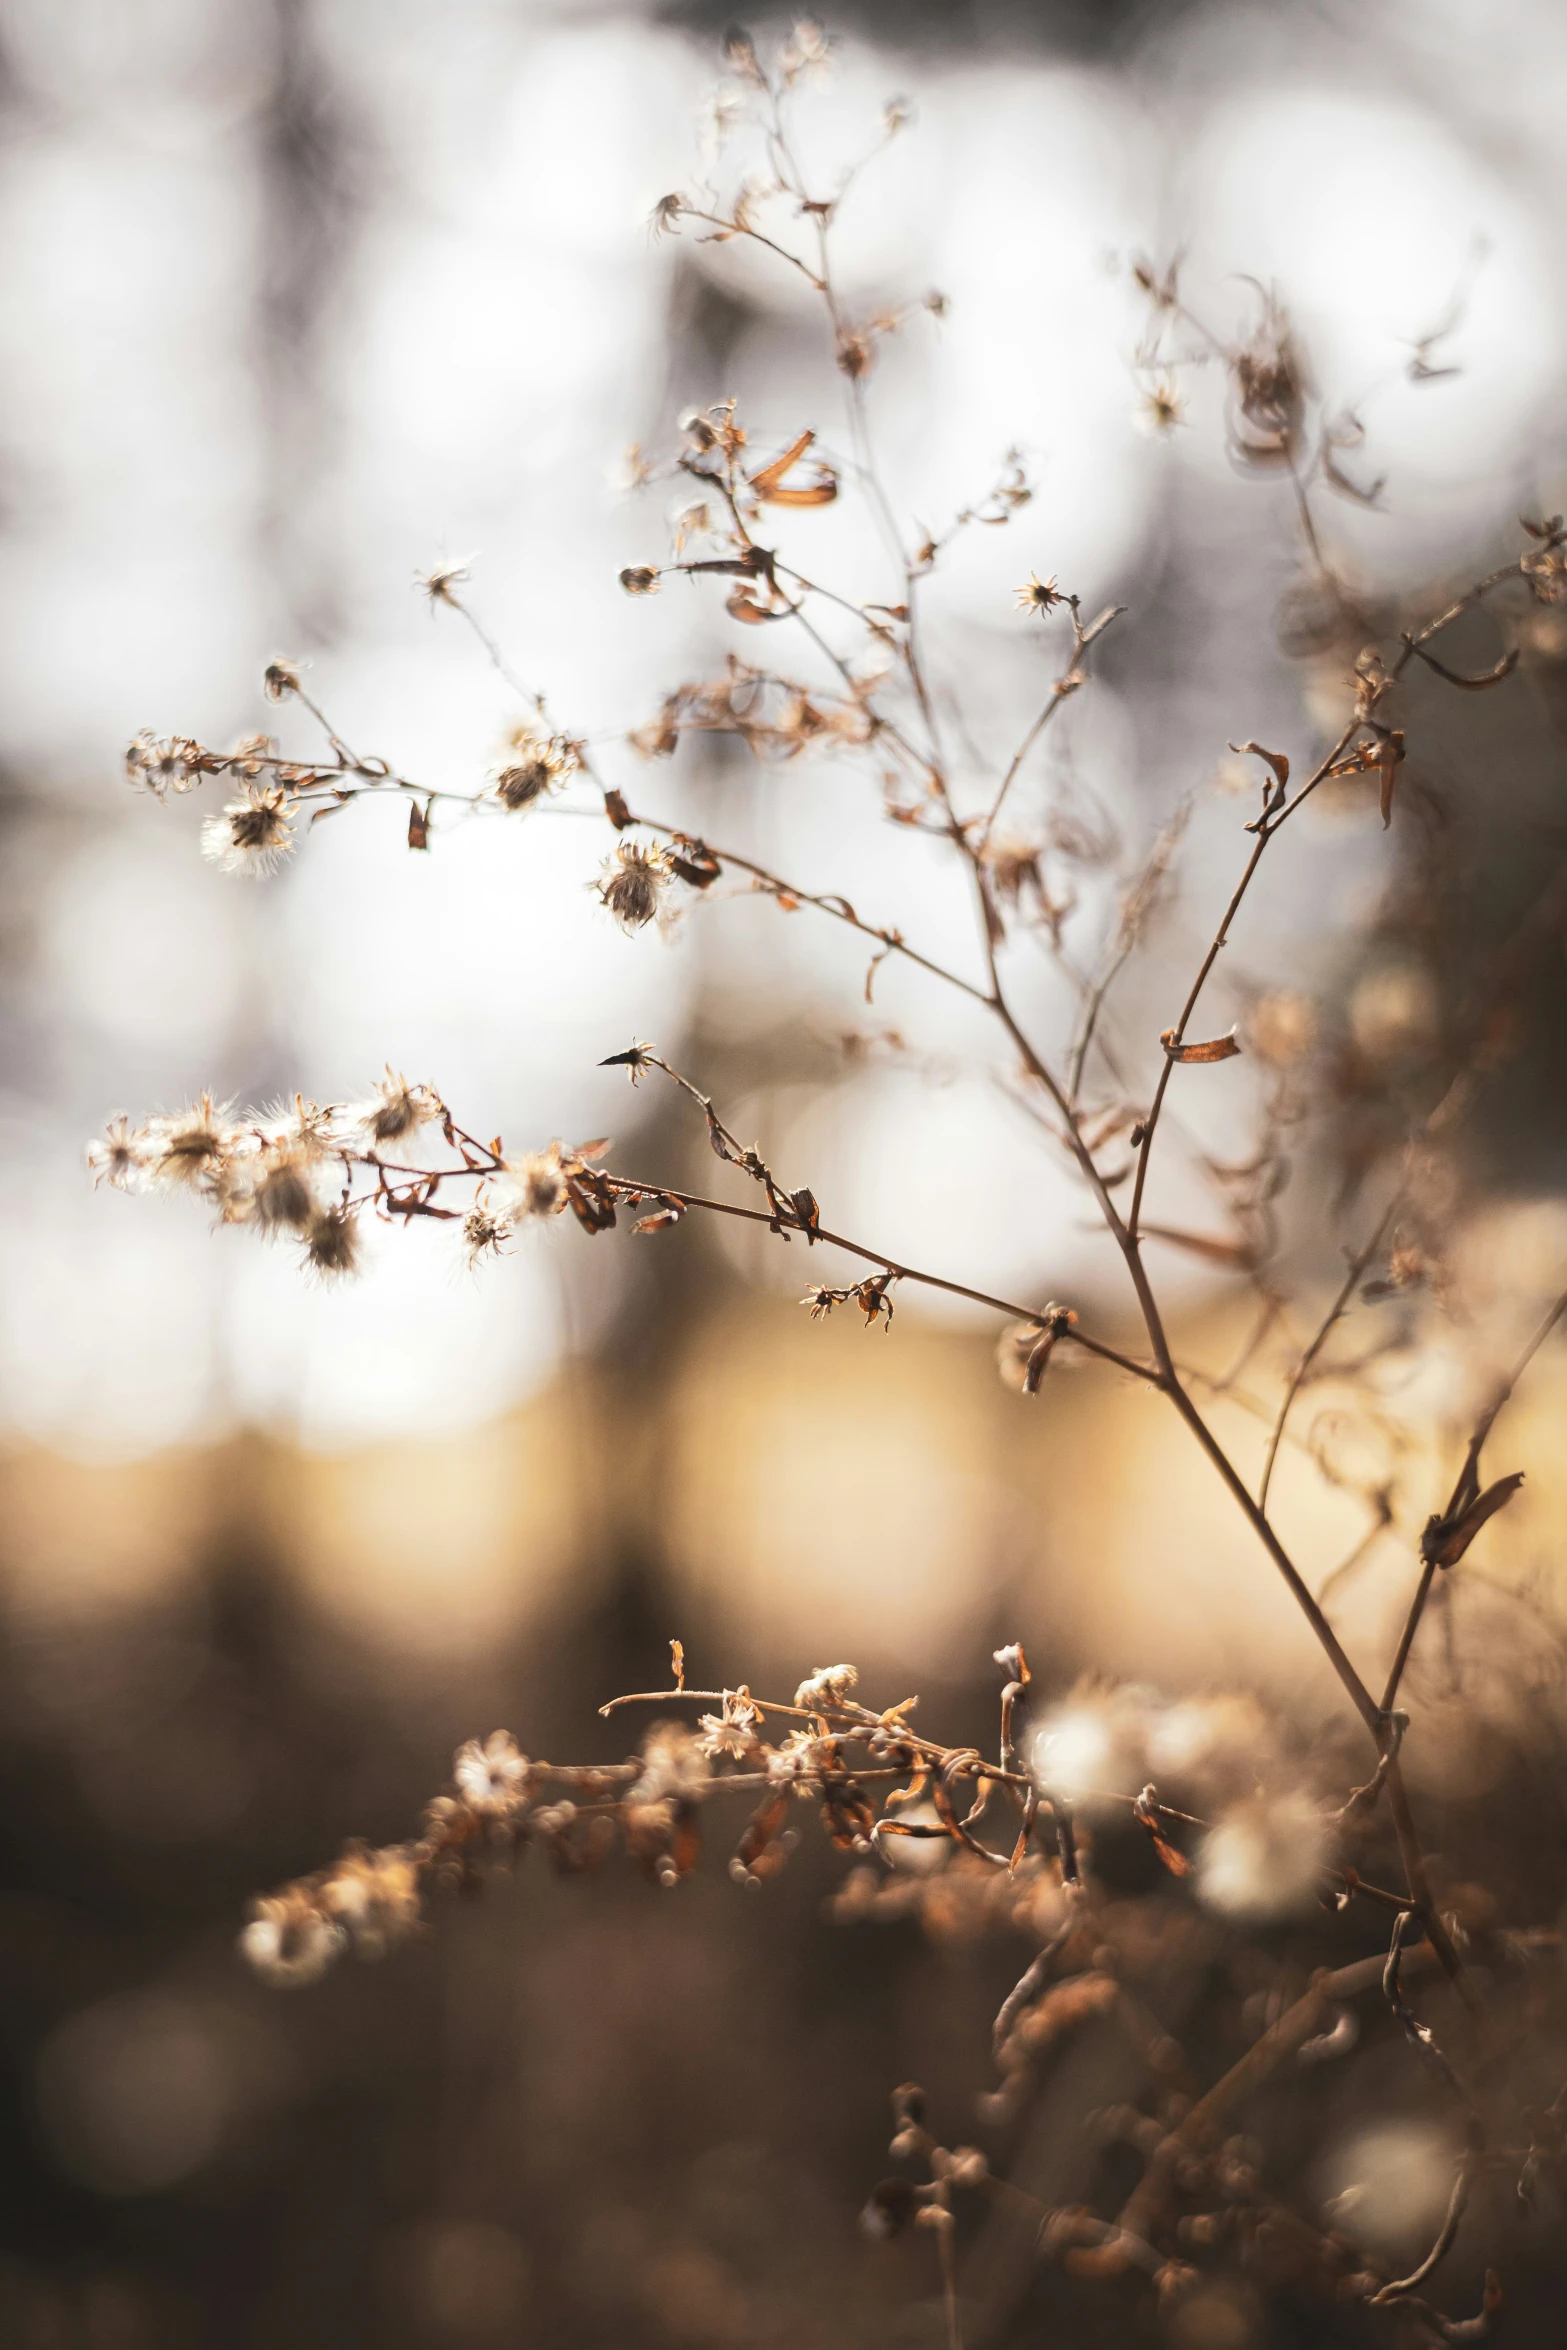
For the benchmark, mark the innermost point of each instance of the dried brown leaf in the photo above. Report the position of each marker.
(1217, 1048)
(1445, 1540)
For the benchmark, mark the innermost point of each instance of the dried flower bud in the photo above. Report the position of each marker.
(640, 579)
(537, 1184)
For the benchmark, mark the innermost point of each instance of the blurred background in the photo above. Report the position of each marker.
(300, 298)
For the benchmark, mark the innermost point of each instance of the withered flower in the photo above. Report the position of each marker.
(280, 679)
(640, 579)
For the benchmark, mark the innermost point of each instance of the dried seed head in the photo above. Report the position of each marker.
(253, 834)
(373, 1897)
(1039, 595)
(279, 679)
(826, 1685)
(640, 579)
(633, 884)
(398, 1109)
(740, 54)
(1267, 394)
(1545, 568)
(536, 765)
(1161, 408)
(332, 1242)
(492, 1778)
(160, 766)
(190, 1147)
(440, 582)
(660, 737)
(282, 1195)
(736, 1730)
(674, 1766)
(1263, 1858)
(665, 216)
(537, 1183)
(119, 1156)
(856, 352)
(485, 1231)
(289, 1940)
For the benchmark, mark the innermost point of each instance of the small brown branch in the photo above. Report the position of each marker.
(1330, 1321)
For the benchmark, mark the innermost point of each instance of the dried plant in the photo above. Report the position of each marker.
(1016, 1828)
